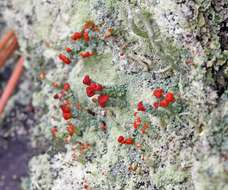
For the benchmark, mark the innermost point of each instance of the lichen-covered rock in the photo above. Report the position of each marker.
(174, 45)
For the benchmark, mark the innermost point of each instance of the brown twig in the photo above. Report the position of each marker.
(11, 84)
(8, 45)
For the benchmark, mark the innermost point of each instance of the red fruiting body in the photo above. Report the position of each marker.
(76, 36)
(120, 139)
(54, 130)
(66, 86)
(164, 103)
(90, 91)
(86, 54)
(155, 105)
(158, 92)
(96, 87)
(71, 129)
(137, 122)
(68, 49)
(87, 80)
(64, 59)
(135, 113)
(99, 87)
(170, 97)
(67, 115)
(129, 141)
(65, 108)
(102, 100)
(141, 106)
(135, 125)
(86, 36)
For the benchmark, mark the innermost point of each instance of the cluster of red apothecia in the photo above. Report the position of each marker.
(122, 140)
(163, 100)
(88, 33)
(71, 130)
(137, 123)
(89, 27)
(95, 88)
(66, 109)
(66, 104)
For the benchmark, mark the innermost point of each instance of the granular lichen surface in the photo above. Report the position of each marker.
(133, 93)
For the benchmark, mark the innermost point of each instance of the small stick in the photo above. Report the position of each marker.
(7, 52)
(5, 39)
(11, 84)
